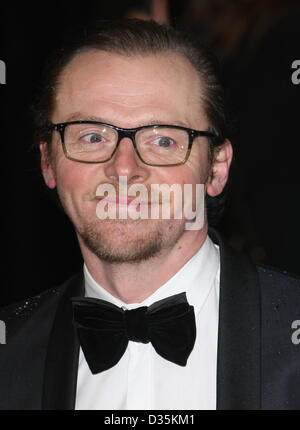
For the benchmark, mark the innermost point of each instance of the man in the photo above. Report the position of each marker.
(172, 318)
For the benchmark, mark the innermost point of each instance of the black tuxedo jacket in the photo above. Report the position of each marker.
(258, 364)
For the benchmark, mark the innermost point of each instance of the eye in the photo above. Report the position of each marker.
(93, 138)
(163, 142)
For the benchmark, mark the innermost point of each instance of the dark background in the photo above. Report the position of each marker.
(256, 47)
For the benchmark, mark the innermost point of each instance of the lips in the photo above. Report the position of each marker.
(123, 201)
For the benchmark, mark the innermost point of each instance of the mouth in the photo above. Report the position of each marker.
(126, 201)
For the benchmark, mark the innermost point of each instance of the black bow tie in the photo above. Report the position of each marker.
(105, 329)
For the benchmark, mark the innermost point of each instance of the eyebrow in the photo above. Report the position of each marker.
(80, 117)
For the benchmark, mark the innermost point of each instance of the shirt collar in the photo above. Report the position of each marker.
(196, 278)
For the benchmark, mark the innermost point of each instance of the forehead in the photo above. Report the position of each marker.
(163, 87)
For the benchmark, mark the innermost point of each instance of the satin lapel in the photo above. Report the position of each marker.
(239, 351)
(61, 367)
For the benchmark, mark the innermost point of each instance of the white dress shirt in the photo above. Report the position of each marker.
(142, 379)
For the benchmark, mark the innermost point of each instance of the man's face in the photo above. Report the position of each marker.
(127, 92)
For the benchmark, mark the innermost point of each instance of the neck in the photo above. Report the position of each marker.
(134, 282)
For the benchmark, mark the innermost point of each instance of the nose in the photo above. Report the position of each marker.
(125, 162)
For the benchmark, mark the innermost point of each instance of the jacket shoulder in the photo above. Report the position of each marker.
(280, 297)
(275, 282)
(280, 310)
(16, 315)
(25, 308)
(27, 326)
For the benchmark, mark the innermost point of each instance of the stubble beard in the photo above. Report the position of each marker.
(130, 241)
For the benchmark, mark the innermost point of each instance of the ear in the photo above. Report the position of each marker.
(220, 169)
(46, 165)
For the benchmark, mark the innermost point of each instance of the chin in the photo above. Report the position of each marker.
(129, 241)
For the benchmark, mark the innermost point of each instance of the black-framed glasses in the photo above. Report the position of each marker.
(155, 145)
